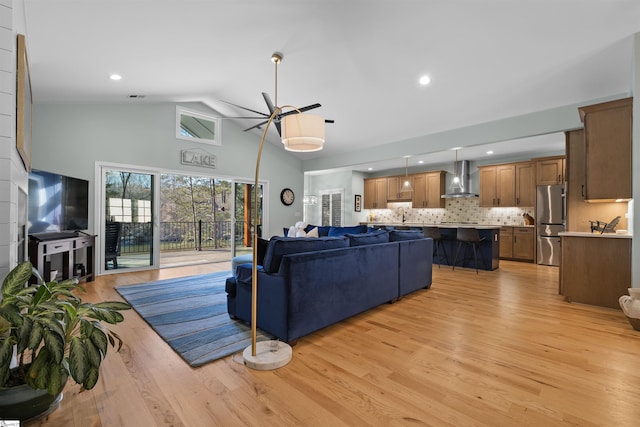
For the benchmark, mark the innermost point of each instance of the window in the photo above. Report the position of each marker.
(332, 207)
(194, 126)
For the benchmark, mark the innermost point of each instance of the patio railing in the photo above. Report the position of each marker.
(176, 236)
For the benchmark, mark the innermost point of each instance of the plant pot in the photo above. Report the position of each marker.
(24, 403)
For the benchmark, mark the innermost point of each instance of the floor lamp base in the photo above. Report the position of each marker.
(270, 355)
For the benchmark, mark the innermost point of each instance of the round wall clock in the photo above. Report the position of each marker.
(287, 197)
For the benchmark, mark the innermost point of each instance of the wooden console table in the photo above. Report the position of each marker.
(41, 249)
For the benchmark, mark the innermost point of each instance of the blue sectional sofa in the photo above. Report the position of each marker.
(306, 284)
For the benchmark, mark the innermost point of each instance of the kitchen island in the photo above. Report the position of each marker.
(595, 268)
(489, 248)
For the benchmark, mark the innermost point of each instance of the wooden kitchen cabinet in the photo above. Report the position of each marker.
(524, 243)
(506, 242)
(428, 187)
(394, 187)
(550, 171)
(608, 131)
(497, 185)
(517, 243)
(525, 184)
(595, 270)
(579, 212)
(375, 193)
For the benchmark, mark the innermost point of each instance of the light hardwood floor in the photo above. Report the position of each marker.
(499, 348)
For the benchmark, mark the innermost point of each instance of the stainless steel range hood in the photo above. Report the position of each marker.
(460, 186)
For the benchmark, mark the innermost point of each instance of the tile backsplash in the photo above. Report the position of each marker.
(462, 210)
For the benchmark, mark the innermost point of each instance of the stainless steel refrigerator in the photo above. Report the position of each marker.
(550, 220)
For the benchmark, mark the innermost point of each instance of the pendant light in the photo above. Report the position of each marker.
(406, 185)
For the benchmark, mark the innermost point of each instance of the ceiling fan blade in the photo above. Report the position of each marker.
(301, 110)
(329, 121)
(246, 118)
(259, 126)
(256, 126)
(270, 105)
(247, 109)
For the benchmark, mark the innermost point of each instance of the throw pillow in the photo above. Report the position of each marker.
(262, 249)
(313, 233)
(322, 231)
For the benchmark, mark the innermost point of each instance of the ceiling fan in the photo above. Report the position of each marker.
(276, 58)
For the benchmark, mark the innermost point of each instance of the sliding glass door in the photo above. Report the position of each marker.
(127, 225)
(152, 219)
(196, 223)
(243, 216)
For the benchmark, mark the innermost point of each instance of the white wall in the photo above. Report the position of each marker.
(70, 139)
(12, 172)
(351, 183)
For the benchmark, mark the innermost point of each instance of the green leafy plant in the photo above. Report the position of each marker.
(54, 333)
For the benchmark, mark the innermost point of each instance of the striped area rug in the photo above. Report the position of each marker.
(190, 314)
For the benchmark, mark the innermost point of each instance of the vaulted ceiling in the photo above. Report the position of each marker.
(361, 59)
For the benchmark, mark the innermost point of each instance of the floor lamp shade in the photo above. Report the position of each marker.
(303, 132)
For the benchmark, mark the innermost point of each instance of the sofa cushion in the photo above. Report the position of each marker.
(323, 231)
(398, 235)
(280, 246)
(341, 231)
(371, 238)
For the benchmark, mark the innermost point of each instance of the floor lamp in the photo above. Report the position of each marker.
(301, 133)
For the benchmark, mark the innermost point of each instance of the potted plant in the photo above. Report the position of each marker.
(46, 335)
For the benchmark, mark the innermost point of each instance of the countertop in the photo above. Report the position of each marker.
(448, 225)
(596, 235)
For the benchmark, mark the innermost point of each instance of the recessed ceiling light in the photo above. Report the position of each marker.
(421, 161)
(369, 169)
(115, 77)
(425, 80)
(489, 152)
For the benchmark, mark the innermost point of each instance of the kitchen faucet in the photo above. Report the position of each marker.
(401, 212)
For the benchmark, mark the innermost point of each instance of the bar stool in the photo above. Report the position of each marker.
(469, 237)
(434, 233)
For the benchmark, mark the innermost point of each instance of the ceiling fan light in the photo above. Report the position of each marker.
(303, 132)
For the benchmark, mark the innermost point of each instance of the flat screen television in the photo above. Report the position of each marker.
(57, 203)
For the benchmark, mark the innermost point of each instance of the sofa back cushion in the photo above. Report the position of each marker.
(341, 231)
(398, 235)
(371, 238)
(280, 246)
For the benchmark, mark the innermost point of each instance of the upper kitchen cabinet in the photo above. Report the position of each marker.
(498, 185)
(525, 184)
(428, 187)
(394, 188)
(607, 128)
(579, 213)
(550, 171)
(375, 193)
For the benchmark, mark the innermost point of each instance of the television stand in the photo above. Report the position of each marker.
(43, 245)
(54, 235)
